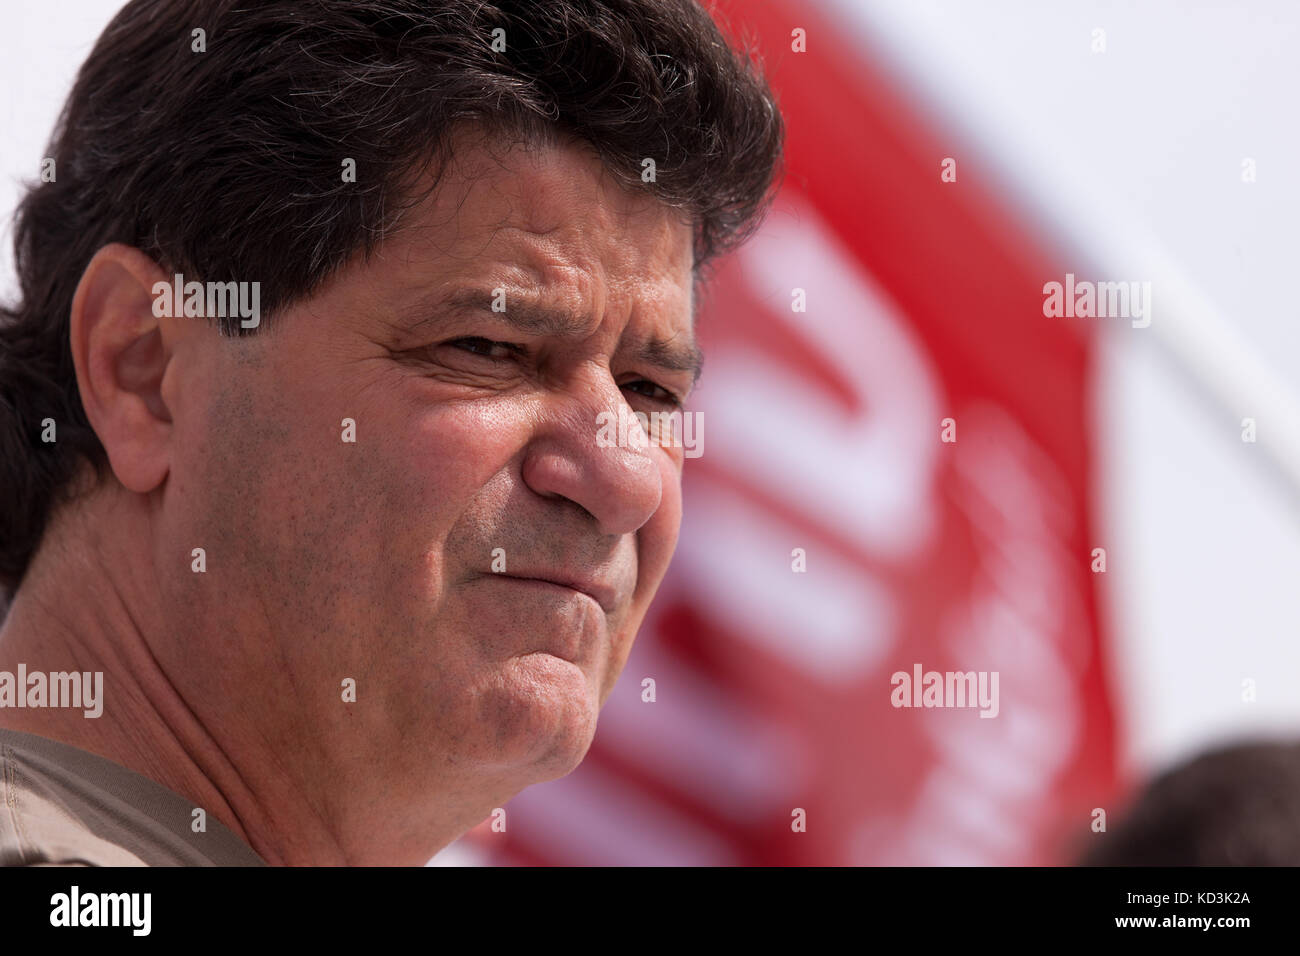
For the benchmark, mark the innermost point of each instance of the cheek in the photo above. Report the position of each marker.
(432, 457)
(446, 443)
(433, 480)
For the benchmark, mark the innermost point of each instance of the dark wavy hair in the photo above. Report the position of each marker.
(227, 162)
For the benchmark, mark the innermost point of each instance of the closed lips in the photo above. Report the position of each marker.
(602, 595)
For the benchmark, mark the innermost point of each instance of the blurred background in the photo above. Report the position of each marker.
(1153, 142)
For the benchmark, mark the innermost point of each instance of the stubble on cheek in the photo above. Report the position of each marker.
(281, 519)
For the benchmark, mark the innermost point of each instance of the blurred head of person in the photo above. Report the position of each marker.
(1236, 805)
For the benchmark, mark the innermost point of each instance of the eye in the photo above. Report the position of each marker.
(486, 347)
(654, 392)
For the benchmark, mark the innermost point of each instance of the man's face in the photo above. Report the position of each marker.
(374, 560)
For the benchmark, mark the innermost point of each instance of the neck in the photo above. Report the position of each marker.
(91, 601)
(73, 613)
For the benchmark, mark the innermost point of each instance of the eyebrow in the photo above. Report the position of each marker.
(533, 318)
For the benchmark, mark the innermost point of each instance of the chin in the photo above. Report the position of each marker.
(544, 716)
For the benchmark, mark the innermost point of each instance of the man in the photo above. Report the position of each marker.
(320, 312)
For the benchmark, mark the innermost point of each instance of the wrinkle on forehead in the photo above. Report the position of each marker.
(554, 189)
(547, 222)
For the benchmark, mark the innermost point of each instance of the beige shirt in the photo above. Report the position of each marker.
(63, 806)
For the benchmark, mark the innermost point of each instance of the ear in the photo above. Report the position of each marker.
(121, 350)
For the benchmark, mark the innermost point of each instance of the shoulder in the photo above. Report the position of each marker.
(40, 822)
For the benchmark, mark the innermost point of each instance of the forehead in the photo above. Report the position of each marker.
(552, 220)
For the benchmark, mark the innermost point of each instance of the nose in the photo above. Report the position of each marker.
(618, 486)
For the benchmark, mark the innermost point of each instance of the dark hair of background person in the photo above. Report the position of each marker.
(226, 165)
(1236, 805)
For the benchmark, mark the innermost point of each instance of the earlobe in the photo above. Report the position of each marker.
(121, 350)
